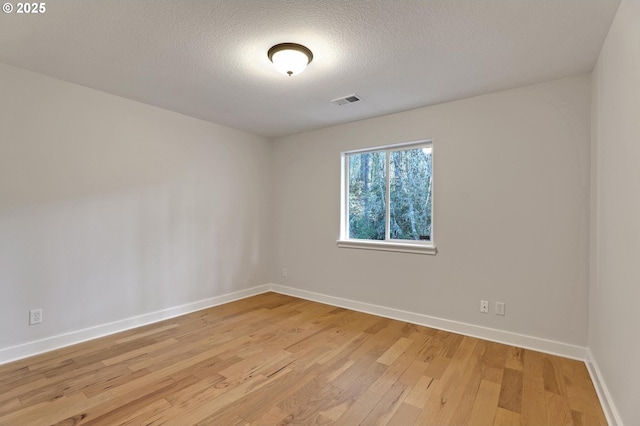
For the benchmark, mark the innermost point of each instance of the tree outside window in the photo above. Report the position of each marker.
(389, 194)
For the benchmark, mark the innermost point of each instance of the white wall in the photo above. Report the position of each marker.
(511, 183)
(614, 315)
(111, 209)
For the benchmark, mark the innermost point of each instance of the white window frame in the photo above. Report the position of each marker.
(404, 246)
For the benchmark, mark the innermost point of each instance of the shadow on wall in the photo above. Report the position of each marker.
(92, 260)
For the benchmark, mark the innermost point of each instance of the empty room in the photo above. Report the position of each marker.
(375, 212)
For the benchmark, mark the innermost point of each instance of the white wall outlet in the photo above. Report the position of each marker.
(35, 316)
(484, 306)
(285, 273)
(500, 308)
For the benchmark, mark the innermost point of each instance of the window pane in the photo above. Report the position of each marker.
(410, 194)
(367, 195)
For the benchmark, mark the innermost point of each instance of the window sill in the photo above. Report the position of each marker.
(388, 246)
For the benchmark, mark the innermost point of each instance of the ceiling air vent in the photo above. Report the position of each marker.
(346, 100)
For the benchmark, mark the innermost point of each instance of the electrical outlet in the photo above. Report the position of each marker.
(35, 316)
(500, 308)
(285, 273)
(484, 306)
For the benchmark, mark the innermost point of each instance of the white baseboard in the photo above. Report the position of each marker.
(514, 339)
(55, 342)
(609, 408)
(26, 350)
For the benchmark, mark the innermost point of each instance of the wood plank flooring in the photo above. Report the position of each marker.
(278, 360)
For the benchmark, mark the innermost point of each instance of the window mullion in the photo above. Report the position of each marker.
(387, 225)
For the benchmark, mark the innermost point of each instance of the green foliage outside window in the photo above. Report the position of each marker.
(409, 186)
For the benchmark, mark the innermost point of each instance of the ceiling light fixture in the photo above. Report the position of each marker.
(290, 58)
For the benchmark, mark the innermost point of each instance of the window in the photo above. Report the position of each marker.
(387, 198)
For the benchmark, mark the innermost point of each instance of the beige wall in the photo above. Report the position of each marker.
(511, 200)
(614, 315)
(111, 209)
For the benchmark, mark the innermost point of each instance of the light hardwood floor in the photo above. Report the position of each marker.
(278, 360)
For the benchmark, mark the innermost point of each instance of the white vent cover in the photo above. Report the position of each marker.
(349, 99)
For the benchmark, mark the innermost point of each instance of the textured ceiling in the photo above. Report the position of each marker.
(208, 58)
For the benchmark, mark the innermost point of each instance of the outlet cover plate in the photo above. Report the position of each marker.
(35, 316)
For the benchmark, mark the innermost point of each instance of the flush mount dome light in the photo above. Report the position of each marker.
(290, 58)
